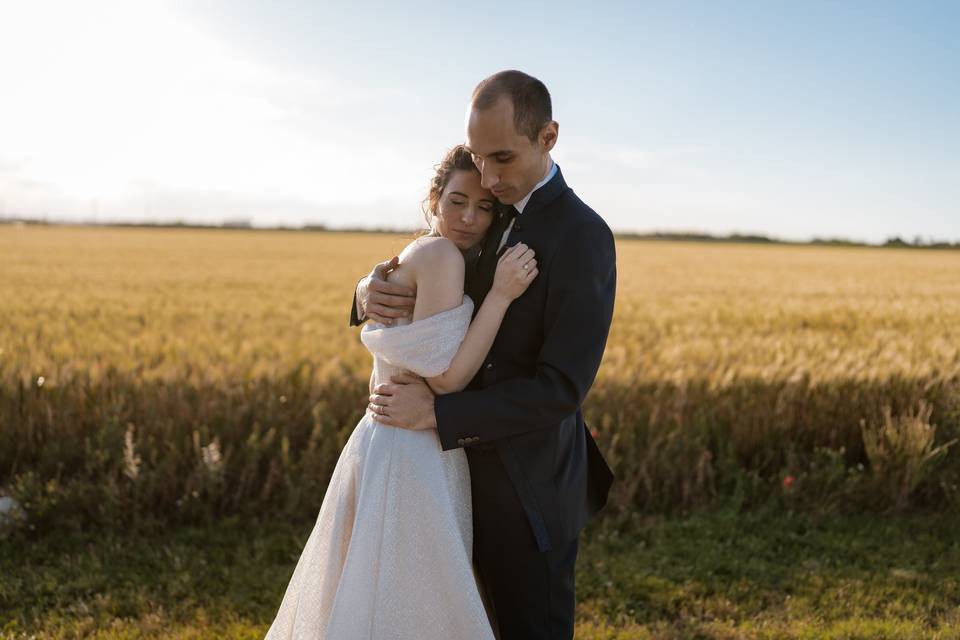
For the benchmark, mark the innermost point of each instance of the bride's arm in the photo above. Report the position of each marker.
(439, 274)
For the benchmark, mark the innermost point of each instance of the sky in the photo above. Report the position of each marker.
(790, 119)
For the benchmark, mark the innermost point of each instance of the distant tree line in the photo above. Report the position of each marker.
(896, 241)
(918, 242)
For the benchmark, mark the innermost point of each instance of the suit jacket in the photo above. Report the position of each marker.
(525, 400)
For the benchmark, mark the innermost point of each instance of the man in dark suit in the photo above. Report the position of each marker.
(536, 473)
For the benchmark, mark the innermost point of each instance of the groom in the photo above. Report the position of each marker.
(536, 473)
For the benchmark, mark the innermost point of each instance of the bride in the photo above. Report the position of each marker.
(390, 553)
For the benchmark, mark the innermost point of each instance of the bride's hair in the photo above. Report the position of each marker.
(456, 159)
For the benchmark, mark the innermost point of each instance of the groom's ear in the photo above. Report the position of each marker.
(548, 135)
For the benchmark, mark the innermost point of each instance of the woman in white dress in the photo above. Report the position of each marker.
(390, 555)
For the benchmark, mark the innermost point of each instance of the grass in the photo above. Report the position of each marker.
(712, 574)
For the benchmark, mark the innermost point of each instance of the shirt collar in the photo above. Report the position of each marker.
(550, 173)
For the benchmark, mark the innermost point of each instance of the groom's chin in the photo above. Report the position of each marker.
(507, 196)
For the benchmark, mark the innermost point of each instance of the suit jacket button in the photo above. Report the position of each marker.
(489, 365)
(461, 441)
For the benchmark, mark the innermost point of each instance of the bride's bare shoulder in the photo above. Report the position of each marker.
(427, 255)
(432, 252)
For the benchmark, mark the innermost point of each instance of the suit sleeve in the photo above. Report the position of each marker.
(579, 309)
(355, 319)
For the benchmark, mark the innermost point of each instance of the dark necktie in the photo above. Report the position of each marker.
(510, 212)
(480, 273)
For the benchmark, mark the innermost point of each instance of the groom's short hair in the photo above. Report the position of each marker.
(531, 100)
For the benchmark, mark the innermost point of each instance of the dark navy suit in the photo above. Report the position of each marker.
(536, 473)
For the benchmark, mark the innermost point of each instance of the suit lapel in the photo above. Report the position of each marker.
(480, 277)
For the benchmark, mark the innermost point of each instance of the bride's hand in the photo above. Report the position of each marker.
(516, 269)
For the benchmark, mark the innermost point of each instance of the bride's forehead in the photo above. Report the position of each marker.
(463, 179)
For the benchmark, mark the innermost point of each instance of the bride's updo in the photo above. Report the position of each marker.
(456, 159)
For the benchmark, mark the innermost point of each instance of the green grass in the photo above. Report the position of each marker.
(717, 574)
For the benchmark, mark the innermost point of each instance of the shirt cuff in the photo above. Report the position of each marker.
(360, 315)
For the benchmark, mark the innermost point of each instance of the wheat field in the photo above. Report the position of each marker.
(177, 374)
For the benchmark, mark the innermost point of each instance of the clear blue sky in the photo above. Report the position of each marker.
(785, 118)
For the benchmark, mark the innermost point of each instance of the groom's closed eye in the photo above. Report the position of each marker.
(500, 157)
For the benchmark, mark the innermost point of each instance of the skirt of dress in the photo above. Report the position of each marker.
(390, 553)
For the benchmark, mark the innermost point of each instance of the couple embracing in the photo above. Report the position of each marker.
(455, 507)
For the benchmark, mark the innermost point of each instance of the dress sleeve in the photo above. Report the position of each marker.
(425, 346)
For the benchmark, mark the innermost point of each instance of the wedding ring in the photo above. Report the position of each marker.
(526, 266)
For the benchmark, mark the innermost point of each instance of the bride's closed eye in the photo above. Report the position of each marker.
(484, 206)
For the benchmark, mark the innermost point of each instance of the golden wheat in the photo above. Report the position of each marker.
(155, 343)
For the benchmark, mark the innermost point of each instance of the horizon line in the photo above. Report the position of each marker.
(655, 234)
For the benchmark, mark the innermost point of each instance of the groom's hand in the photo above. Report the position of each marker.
(405, 402)
(384, 301)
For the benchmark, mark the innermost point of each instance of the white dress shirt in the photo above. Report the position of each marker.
(523, 202)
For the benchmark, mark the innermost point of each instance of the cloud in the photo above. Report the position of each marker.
(112, 95)
(678, 188)
(129, 109)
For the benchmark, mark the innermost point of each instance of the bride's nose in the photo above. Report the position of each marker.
(468, 216)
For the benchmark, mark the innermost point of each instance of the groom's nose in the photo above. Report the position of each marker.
(487, 177)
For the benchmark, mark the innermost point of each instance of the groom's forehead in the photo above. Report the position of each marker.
(489, 143)
(491, 131)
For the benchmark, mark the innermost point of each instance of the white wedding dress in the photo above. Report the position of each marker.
(390, 553)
